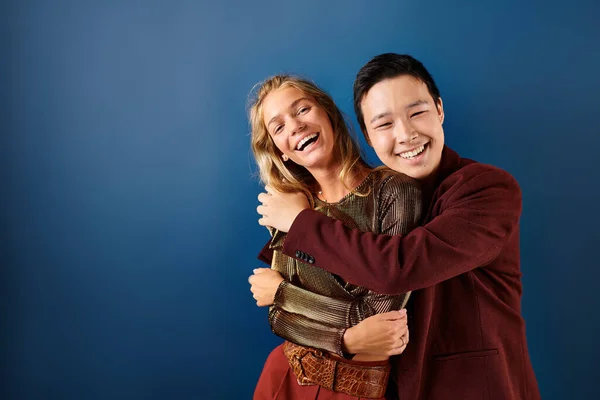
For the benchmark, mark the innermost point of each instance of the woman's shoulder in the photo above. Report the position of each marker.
(388, 180)
(398, 197)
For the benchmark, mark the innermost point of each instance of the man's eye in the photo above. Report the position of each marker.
(417, 113)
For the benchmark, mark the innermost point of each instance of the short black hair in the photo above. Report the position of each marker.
(387, 66)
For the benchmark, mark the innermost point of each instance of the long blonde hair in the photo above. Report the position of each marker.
(292, 177)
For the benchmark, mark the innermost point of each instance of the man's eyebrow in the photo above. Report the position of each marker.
(387, 113)
(294, 104)
(378, 116)
(416, 103)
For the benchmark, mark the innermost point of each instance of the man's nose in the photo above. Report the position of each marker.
(404, 133)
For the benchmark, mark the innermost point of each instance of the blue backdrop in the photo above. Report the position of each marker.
(128, 188)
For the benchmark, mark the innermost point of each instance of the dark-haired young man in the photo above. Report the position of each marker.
(467, 332)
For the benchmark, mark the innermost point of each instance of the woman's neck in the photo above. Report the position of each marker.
(331, 188)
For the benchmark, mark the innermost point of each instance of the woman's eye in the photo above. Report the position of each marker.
(278, 129)
(303, 110)
(383, 125)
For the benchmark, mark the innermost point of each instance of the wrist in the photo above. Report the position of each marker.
(278, 292)
(292, 218)
(349, 341)
(298, 211)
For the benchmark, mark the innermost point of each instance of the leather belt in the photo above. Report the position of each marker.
(316, 367)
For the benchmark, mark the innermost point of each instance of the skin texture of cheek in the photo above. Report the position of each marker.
(282, 147)
(384, 150)
(384, 156)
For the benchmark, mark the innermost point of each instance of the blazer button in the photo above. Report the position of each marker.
(298, 253)
(311, 260)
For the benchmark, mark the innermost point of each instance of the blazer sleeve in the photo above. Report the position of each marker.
(474, 223)
(266, 254)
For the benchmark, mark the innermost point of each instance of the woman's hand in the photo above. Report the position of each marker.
(263, 285)
(279, 210)
(383, 334)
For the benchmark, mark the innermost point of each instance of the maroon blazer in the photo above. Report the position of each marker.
(467, 335)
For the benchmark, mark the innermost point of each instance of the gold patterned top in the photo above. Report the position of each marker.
(313, 307)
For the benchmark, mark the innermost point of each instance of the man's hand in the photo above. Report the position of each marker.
(263, 285)
(279, 210)
(382, 334)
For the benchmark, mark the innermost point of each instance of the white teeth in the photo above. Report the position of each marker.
(306, 139)
(411, 154)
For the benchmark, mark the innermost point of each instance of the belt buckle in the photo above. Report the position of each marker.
(299, 369)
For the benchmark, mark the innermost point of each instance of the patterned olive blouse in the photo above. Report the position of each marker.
(313, 307)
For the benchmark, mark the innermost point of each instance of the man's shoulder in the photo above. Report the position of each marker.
(471, 171)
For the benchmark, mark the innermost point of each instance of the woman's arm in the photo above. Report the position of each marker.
(398, 208)
(383, 334)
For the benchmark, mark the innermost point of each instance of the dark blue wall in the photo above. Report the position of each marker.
(128, 197)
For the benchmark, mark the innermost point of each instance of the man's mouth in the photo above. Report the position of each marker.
(307, 141)
(408, 155)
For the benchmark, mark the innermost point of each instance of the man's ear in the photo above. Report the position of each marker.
(440, 109)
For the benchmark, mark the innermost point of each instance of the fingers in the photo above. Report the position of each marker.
(398, 333)
(254, 278)
(259, 300)
(256, 295)
(262, 210)
(399, 346)
(396, 351)
(400, 329)
(404, 339)
(257, 291)
(263, 197)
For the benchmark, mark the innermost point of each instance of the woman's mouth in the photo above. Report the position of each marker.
(307, 141)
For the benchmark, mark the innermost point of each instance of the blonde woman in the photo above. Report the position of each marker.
(302, 144)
